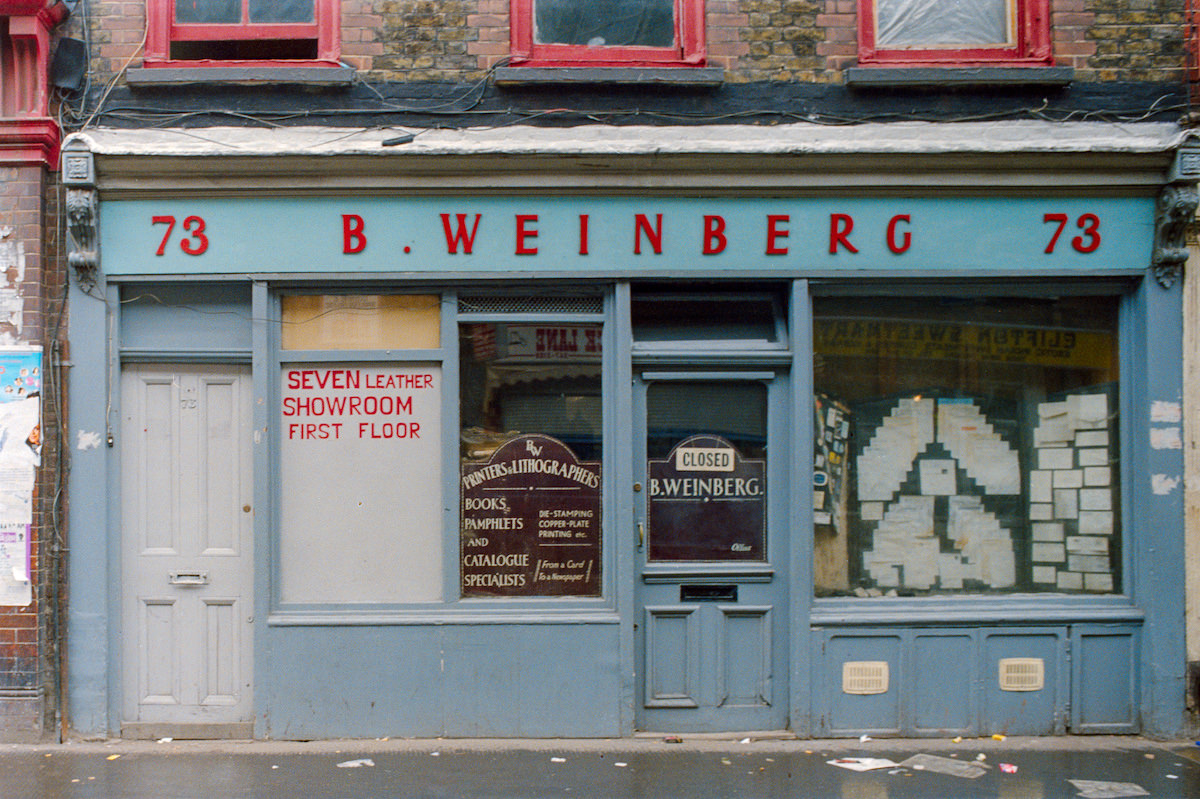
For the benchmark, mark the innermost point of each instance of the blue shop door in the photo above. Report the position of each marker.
(712, 585)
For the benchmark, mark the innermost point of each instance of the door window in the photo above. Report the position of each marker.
(706, 448)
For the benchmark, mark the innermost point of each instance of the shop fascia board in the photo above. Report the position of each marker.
(719, 160)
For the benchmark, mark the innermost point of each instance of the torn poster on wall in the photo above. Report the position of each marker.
(20, 455)
(12, 275)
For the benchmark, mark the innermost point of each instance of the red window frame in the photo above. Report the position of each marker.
(1030, 47)
(162, 30)
(688, 51)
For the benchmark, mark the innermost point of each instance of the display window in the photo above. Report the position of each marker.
(966, 444)
(531, 450)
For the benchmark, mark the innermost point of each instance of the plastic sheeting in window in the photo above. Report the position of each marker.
(941, 23)
(605, 23)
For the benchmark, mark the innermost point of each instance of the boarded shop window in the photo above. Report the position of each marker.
(360, 322)
(360, 451)
(263, 32)
(966, 444)
(360, 482)
(530, 407)
(608, 32)
(951, 32)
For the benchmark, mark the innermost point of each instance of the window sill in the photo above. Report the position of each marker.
(700, 77)
(940, 77)
(145, 77)
(969, 610)
(465, 615)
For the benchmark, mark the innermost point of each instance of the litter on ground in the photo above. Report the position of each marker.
(862, 763)
(364, 761)
(1102, 789)
(944, 765)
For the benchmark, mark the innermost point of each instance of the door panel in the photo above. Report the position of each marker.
(187, 557)
(745, 666)
(157, 664)
(712, 557)
(672, 656)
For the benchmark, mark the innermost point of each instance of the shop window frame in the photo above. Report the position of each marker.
(162, 31)
(588, 608)
(1030, 47)
(452, 606)
(689, 49)
(269, 383)
(1043, 607)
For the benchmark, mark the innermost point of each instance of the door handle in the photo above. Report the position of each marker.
(641, 535)
(187, 579)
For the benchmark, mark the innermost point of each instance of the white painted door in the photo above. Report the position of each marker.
(187, 562)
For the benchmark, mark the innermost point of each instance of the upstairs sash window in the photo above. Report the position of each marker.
(608, 32)
(242, 32)
(954, 32)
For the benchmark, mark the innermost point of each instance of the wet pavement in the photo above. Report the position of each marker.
(1028, 768)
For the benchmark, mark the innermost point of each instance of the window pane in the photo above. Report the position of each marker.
(966, 444)
(208, 11)
(706, 471)
(643, 23)
(531, 449)
(281, 11)
(931, 23)
(361, 322)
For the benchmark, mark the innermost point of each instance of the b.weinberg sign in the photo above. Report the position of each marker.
(609, 235)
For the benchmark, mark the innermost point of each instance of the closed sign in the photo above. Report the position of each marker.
(704, 459)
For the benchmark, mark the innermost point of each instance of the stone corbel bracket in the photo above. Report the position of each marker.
(1175, 213)
(83, 215)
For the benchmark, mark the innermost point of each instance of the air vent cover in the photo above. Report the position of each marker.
(1022, 674)
(864, 677)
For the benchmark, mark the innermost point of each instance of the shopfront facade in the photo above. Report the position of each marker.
(527, 433)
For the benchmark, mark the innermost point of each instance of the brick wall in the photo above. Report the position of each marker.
(1136, 39)
(27, 223)
(754, 40)
(49, 508)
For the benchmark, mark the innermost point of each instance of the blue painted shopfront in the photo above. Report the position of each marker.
(757, 341)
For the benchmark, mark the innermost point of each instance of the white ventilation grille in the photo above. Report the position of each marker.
(865, 677)
(1022, 674)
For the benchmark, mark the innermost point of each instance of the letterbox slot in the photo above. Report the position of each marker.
(708, 593)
